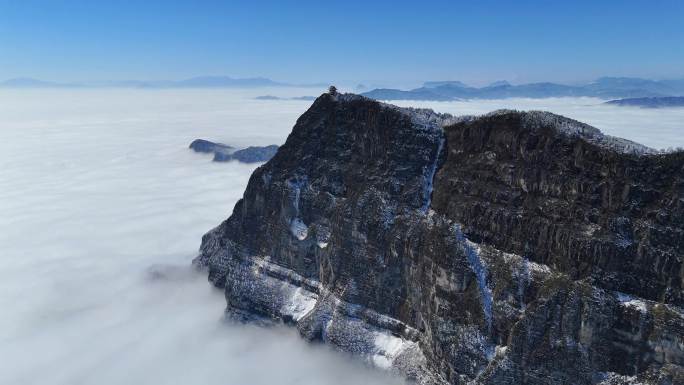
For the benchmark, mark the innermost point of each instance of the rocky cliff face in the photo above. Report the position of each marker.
(504, 249)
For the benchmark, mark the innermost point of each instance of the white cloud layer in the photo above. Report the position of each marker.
(97, 186)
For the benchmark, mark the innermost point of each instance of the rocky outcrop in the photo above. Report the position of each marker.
(511, 248)
(653, 102)
(202, 145)
(252, 154)
(224, 153)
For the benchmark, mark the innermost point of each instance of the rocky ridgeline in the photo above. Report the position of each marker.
(652, 102)
(224, 153)
(511, 248)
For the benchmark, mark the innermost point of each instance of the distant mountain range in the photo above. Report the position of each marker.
(196, 82)
(30, 82)
(654, 102)
(605, 88)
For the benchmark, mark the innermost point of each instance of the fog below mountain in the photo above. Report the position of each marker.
(98, 191)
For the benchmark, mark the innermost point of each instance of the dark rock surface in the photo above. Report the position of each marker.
(225, 153)
(252, 154)
(511, 248)
(655, 102)
(201, 145)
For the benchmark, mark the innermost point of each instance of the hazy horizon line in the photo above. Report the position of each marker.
(218, 81)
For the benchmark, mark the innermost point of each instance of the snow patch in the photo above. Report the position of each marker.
(387, 348)
(299, 229)
(263, 264)
(300, 304)
(539, 268)
(526, 265)
(296, 186)
(297, 226)
(428, 183)
(500, 351)
(322, 236)
(342, 322)
(524, 279)
(325, 331)
(632, 302)
(571, 127)
(472, 251)
(612, 378)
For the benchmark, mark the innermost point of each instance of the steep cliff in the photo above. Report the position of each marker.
(503, 249)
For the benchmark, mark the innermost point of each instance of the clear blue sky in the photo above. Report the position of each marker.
(342, 41)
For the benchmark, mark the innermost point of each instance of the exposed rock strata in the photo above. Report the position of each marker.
(503, 249)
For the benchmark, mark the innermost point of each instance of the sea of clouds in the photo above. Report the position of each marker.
(98, 191)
